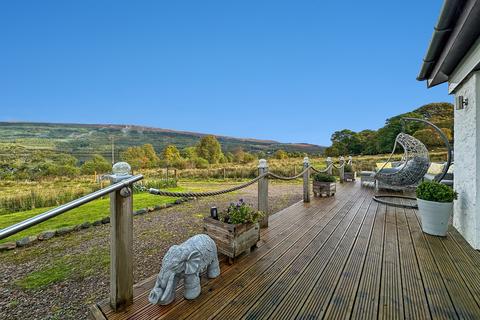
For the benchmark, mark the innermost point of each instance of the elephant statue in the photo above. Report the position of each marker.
(187, 261)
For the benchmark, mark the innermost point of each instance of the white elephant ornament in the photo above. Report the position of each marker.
(187, 261)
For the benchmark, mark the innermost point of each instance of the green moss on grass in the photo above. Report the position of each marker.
(74, 266)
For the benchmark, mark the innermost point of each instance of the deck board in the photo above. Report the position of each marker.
(334, 258)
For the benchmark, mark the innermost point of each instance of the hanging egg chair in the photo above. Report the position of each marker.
(413, 166)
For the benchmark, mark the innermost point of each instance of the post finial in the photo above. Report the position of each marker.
(262, 163)
(329, 159)
(120, 171)
(306, 160)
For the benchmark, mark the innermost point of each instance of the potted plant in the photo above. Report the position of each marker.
(348, 173)
(435, 205)
(324, 184)
(235, 230)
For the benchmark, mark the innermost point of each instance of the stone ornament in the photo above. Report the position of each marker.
(187, 261)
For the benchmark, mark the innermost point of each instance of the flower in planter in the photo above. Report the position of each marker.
(323, 177)
(240, 212)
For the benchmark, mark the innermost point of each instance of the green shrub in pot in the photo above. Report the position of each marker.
(435, 191)
(323, 177)
(435, 205)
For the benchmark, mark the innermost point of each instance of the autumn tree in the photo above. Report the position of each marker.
(280, 154)
(210, 149)
(140, 157)
(171, 154)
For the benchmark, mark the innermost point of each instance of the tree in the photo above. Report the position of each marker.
(280, 154)
(238, 155)
(171, 154)
(431, 138)
(189, 153)
(140, 157)
(248, 157)
(368, 141)
(210, 149)
(96, 164)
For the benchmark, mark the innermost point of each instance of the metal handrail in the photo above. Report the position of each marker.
(13, 229)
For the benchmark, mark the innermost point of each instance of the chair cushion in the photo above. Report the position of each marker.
(435, 168)
(380, 165)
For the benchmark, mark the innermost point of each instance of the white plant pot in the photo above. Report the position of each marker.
(435, 216)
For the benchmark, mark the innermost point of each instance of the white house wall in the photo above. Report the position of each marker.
(466, 217)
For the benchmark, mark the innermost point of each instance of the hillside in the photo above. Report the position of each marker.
(369, 142)
(83, 140)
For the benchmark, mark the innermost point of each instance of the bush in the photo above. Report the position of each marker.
(201, 163)
(435, 191)
(240, 212)
(97, 164)
(323, 177)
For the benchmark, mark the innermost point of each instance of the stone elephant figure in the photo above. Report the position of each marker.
(187, 261)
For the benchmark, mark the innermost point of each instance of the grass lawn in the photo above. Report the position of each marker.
(90, 212)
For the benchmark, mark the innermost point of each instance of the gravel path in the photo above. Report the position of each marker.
(81, 258)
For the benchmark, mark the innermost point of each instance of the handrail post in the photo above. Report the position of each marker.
(306, 182)
(329, 166)
(263, 192)
(121, 242)
(342, 169)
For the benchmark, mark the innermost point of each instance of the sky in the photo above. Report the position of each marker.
(291, 71)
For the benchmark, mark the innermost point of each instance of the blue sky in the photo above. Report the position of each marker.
(293, 71)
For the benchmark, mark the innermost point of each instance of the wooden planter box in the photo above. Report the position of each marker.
(349, 176)
(324, 188)
(232, 239)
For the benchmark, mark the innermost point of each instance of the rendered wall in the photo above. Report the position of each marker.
(466, 216)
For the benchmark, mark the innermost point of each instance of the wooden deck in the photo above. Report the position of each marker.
(335, 258)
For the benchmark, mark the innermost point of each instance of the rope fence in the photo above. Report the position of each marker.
(322, 171)
(241, 186)
(276, 176)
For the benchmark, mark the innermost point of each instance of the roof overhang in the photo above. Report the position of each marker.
(457, 29)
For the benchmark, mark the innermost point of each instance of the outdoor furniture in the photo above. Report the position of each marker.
(435, 170)
(415, 162)
(367, 178)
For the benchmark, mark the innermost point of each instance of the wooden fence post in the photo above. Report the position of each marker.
(329, 166)
(121, 244)
(342, 169)
(306, 180)
(263, 192)
(224, 174)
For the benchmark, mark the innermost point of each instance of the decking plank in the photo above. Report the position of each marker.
(391, 297)
(246, 274)
(439, 302)
(414, 299)
(275, 237)
(273, 292)
(463, 300)
(341, 303)
(320, 297)
(368, 293)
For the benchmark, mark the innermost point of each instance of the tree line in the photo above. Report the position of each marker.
(19, 163)
(371, 142)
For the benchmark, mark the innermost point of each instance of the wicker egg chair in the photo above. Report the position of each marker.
(413, 166)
